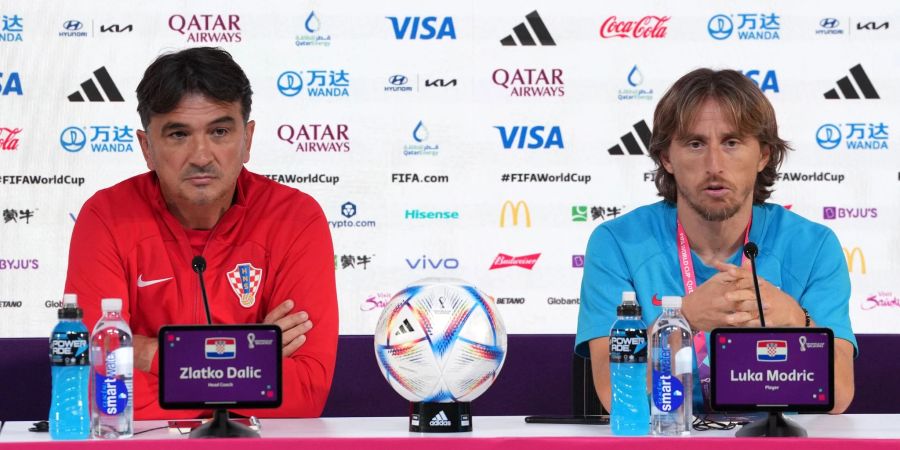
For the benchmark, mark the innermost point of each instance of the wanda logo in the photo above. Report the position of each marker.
(646, 27)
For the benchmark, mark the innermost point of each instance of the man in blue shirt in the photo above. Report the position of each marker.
(717, 151)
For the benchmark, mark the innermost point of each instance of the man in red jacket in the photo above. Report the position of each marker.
(268, 247)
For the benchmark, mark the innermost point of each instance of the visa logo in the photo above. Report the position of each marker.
(531, 137)
(13, 84)
(424, 28)
(767, 81)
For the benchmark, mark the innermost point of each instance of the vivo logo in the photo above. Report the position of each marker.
(425, 263)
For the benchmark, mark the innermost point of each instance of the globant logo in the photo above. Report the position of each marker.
(349, 211)
(316, 137)
(751, 26)
(834, 213)
(19, 264)
(420, 135)
(530, 82)
(103, 138)
(312, 37)
(375, 302)
(855, 136)
(556, 301)
(73, 28)
(534, 137)
(427, 262)
(318, 83)
(634, 92)
(12, 84)
(829, 26)
(578, 261)
(766, 80)
(422, 28)
(9, 138)
(883, 299)
(207, 27)
(503, 261)
(12, 28)
(418, 214)
(653, 27)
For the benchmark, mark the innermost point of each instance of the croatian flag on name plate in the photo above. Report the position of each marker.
(771, 350)
(221, 348)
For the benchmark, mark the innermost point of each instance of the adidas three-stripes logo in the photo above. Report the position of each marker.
(404, 328)
(631, 144)
(849, 91)
(525, 37)
(93, 94)
(440, 420)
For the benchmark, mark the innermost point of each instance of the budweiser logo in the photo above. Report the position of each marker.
(8, 140)
(525, 262)
(646, 27)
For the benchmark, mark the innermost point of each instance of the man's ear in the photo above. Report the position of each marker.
(144, 140)
(664, 159)
(765, 153)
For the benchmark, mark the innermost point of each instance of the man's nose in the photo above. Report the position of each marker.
(714, 158)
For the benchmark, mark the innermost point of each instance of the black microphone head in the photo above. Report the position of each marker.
(750, 250)
(198, 264)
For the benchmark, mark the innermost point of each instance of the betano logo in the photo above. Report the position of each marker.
(515, 208)
(850, 255)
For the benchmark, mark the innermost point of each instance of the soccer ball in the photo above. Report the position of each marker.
(440, 340)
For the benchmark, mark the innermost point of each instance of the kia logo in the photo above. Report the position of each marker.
(828, 136)
(290, 83)
(72, 139)
(72, 25)
(829, 23)
(720, 27)
(397, 80)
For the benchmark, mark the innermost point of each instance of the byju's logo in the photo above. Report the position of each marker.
(631, 144)
(209, 28)
(534, 137)
(855, 136)
(848, 91)
(422, 28)
(93, 94)
(12, 28)
(427, 262)
(19, 264)
(12, 84)
(653, 27)
(420, 135)
(751, 26)
(635, 79)
(525, 37)
(9, 138)
(530, 82)
(312, 37)
(578, 261)
(515, 208)
(835, 213)
(829, 26)
(103, 138)
(766, 80)
(73, 28)
(318, 83)
(316, 137)
(503, 261)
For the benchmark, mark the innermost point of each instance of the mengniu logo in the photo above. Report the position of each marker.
(851, 257)
(848, 91)
(631, 143)
(318, 83)
(12, 28)
(353, 261)
(210, 28)
(312, 38)
(9, 138)
(854, 136)
(93, 93)
(316, 137)
(18, 215)
(530, 82)
(503, 261)
(422, 28)
(517, 211)
(11, 84)
(102, 138)
(767, 80)
(749, 26)
(836, 213)
(525, 36)
(652, 27)
(533, 137)
(580, 212)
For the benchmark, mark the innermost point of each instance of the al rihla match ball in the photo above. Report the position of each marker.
(440, 340)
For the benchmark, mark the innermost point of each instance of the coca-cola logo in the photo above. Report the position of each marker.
(9, 138)
(526, 262)
(645, 27)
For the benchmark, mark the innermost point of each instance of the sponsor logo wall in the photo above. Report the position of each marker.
(479, 141)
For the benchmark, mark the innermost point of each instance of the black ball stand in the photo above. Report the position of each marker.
(452, 417)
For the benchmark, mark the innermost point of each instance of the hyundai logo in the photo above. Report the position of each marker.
(290, 83)
(397, 80)
(72, 25)
(828, 136)
(829, 23)
(720, 27)
(72, 139)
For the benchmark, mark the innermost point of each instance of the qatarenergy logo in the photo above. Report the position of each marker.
(41, 179)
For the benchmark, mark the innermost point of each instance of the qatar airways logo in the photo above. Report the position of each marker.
(207, 27)
(503, 261)
(649, 27)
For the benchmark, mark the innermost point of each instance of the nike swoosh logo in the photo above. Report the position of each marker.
(141, 283)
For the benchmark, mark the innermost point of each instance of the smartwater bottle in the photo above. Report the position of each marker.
(70, 372)
(671, 356)
(630, 415)
(112, 362)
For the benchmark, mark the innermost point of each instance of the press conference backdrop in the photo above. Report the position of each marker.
(478, 140)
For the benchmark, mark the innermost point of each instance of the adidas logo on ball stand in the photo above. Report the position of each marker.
(451, 417)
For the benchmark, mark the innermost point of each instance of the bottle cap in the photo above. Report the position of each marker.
(629, 306)
(111, 304)
(671, 302)
(70, 309)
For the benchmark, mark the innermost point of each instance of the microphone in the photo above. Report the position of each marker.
(751, 250)
(199, 265)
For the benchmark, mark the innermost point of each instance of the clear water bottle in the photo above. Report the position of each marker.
(630, 414)
(112, 367)
(70, 372)
(671, 356)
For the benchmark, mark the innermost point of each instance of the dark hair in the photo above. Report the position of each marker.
(208, 71)
(740, 99)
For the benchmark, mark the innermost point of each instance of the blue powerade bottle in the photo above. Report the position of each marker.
(70, 371)
(630, 415)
